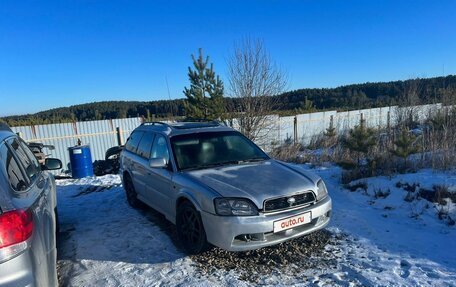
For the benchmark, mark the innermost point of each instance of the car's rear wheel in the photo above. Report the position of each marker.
(132, 196)
(190, 229)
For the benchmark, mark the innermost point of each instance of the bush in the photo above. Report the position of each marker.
(289, 153)
(380, 193)
(360, 140)
(355, 186)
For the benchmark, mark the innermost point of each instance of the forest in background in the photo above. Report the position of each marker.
(349, 97)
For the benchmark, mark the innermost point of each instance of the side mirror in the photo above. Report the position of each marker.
(158, 162)
(51, 164)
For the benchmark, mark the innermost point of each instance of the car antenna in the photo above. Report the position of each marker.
(169, 97)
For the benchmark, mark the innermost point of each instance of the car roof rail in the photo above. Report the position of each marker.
(197, 120)
(154, 124)
(212, 122)
(185, 124)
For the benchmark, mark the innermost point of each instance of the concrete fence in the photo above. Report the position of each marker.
(101, 135)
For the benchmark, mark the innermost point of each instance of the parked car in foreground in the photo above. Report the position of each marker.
(218, 187)
(27, 215)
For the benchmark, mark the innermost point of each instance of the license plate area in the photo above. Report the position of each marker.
(292, 222)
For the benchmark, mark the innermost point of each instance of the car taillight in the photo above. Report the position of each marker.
(15, 227)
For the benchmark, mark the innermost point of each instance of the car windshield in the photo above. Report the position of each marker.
(203, 150)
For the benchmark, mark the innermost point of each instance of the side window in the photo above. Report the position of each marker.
(26, 157)
(16, 177)
(133, 141)
(145, 145)
(160, 148)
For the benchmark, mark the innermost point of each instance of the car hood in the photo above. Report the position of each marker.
(256, 181)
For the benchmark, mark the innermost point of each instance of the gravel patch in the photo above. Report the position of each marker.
(290, 258)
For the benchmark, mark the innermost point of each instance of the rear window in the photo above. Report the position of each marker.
(133, 141)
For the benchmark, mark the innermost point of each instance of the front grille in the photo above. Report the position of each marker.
(282, 203)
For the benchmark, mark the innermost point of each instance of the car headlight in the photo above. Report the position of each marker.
(322, 192)
(234, 207)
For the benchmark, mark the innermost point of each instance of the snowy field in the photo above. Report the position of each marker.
(370, 242)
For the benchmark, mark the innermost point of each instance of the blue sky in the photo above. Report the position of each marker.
(61, 53)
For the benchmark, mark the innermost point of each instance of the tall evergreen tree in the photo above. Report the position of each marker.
(205, 95)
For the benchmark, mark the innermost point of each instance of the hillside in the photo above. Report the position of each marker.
(342, 98)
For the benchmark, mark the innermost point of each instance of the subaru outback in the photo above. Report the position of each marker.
(219, 188)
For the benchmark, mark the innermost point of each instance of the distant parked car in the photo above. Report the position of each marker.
(27, 215)
(218, 187)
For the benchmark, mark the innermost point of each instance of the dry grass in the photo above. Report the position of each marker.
(434, 146)
(289, 153)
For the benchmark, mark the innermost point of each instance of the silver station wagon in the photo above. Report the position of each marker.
(28, 215)
(219, 188)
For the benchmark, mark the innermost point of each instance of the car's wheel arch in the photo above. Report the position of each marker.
(126, 174)
(185, 197)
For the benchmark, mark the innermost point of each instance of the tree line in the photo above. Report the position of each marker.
(255, 88)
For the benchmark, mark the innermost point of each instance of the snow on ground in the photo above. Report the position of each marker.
(407, 250)
(370, 242)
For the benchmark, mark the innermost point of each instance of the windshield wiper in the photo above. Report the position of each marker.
(255, 159)
(241, 161)
(209, 165)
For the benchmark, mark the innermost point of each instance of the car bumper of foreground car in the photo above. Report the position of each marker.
(253, 232)
(17, 271)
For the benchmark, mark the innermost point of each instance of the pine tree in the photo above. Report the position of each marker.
(331, 130)
(360, 139)
(405, 145)
(205, 95)
(97, 115)
(307, 105)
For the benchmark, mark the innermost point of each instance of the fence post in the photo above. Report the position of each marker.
(119, 136)
(295, 129)
(331, 122)
(388, 120)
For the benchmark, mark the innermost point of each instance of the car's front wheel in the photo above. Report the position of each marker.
(190, 229)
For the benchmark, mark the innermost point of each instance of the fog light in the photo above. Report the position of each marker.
(251, 237)
(322, 219)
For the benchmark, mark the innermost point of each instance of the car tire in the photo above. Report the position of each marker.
(112, 159)
(113, 152)
(190, 229)
(132, 196)
(57, 222)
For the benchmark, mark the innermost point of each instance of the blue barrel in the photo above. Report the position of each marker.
(81, 161)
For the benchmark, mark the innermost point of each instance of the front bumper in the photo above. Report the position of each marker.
(225, 231)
